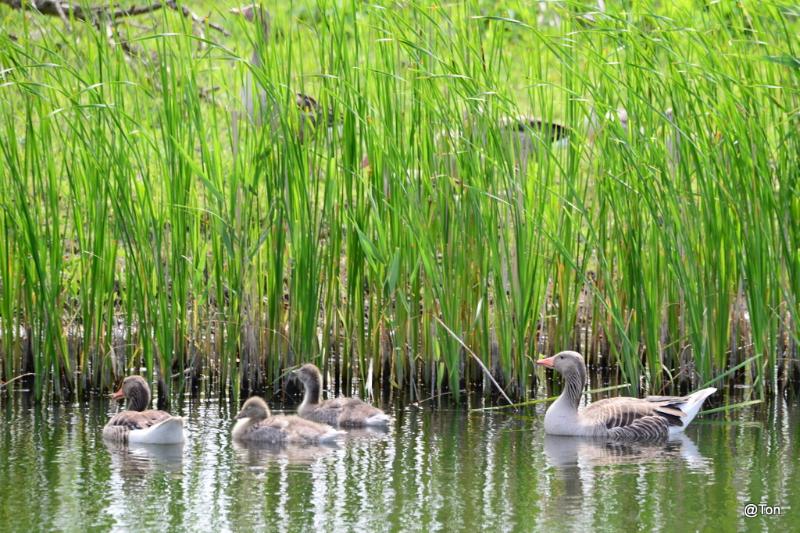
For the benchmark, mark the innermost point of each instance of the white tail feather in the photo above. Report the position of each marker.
(332, 435)
(692, 406)
(381, 419)
(168, 431)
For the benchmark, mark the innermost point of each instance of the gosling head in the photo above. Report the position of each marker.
(136, 390)
(565, 363)
(308, 375)
(254, 408)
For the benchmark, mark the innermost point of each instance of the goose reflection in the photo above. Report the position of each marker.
(139, 458)
(583, 468)
(260, 453)
(367, 433)
(585, 452)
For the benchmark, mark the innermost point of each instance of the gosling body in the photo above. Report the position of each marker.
(338, 412)
(255, 423)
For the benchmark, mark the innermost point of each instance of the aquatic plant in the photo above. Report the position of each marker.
(147, 223)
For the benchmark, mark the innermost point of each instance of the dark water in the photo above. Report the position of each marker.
(433, 470)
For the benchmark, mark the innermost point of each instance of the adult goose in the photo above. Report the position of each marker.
(262, 109)
(138, 424)
(255, 423)
(624, 418)
(342, 412)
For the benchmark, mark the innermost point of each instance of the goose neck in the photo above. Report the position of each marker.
(312, 393)
(574, 381)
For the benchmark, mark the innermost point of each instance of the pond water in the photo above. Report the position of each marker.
(434, 469)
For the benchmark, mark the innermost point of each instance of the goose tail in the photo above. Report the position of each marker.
(380, 419)
(693, 404)
(168, 431)
(331, 435)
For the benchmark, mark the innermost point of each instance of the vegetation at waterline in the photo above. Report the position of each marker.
(147, 222)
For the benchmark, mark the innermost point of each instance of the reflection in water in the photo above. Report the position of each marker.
(258, 454)
(134, 471)
(140, 458)
(587, 452)
(432, 470)
(583, 466)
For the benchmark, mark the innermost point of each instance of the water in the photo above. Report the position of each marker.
(433, 470)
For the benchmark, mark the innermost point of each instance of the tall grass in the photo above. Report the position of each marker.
(147, 224)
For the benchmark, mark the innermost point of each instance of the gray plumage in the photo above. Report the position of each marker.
(138, 423)
(341, 412)
(265, 110)
(623, 418)
(255, 423)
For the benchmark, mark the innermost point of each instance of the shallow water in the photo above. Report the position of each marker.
(433, 470)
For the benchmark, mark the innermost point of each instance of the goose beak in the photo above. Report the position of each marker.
(239, 416)
(549, 362)
(118, 395)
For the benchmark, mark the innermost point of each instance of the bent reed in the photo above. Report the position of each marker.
(148, 224)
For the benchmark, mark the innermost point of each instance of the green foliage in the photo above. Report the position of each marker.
(147, 222)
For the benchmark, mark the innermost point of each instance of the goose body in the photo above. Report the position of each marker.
(138, 424)
(338, 412)
(255, 423)
(623, 418)
(263, 110)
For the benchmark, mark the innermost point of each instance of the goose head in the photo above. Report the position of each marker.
(309, 375)
(136, 390)
(311, 378)
(564, 362)
(572, 367)
(255, 409)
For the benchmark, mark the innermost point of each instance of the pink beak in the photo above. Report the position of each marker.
(118, 395)
(549, 362)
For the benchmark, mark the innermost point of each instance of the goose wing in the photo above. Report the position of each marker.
(330, 411)
(273, 429)
(137, 419)
(299, 430)
(121, 425)
(634, 418)
(646, 428)
(310, 431)
(341, 403)
(359, 413)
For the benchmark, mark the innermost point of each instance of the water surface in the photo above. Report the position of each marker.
(435, 469)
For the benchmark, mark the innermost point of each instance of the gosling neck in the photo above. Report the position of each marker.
(311, 396)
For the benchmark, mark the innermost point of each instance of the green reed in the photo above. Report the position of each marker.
(149, 224)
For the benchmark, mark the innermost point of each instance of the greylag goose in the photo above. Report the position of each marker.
(527, 135)
(255, 423)
(342, 412)
(138, 424)
(259, 108)
(623, 418)
(526, 125)
(255, 105)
